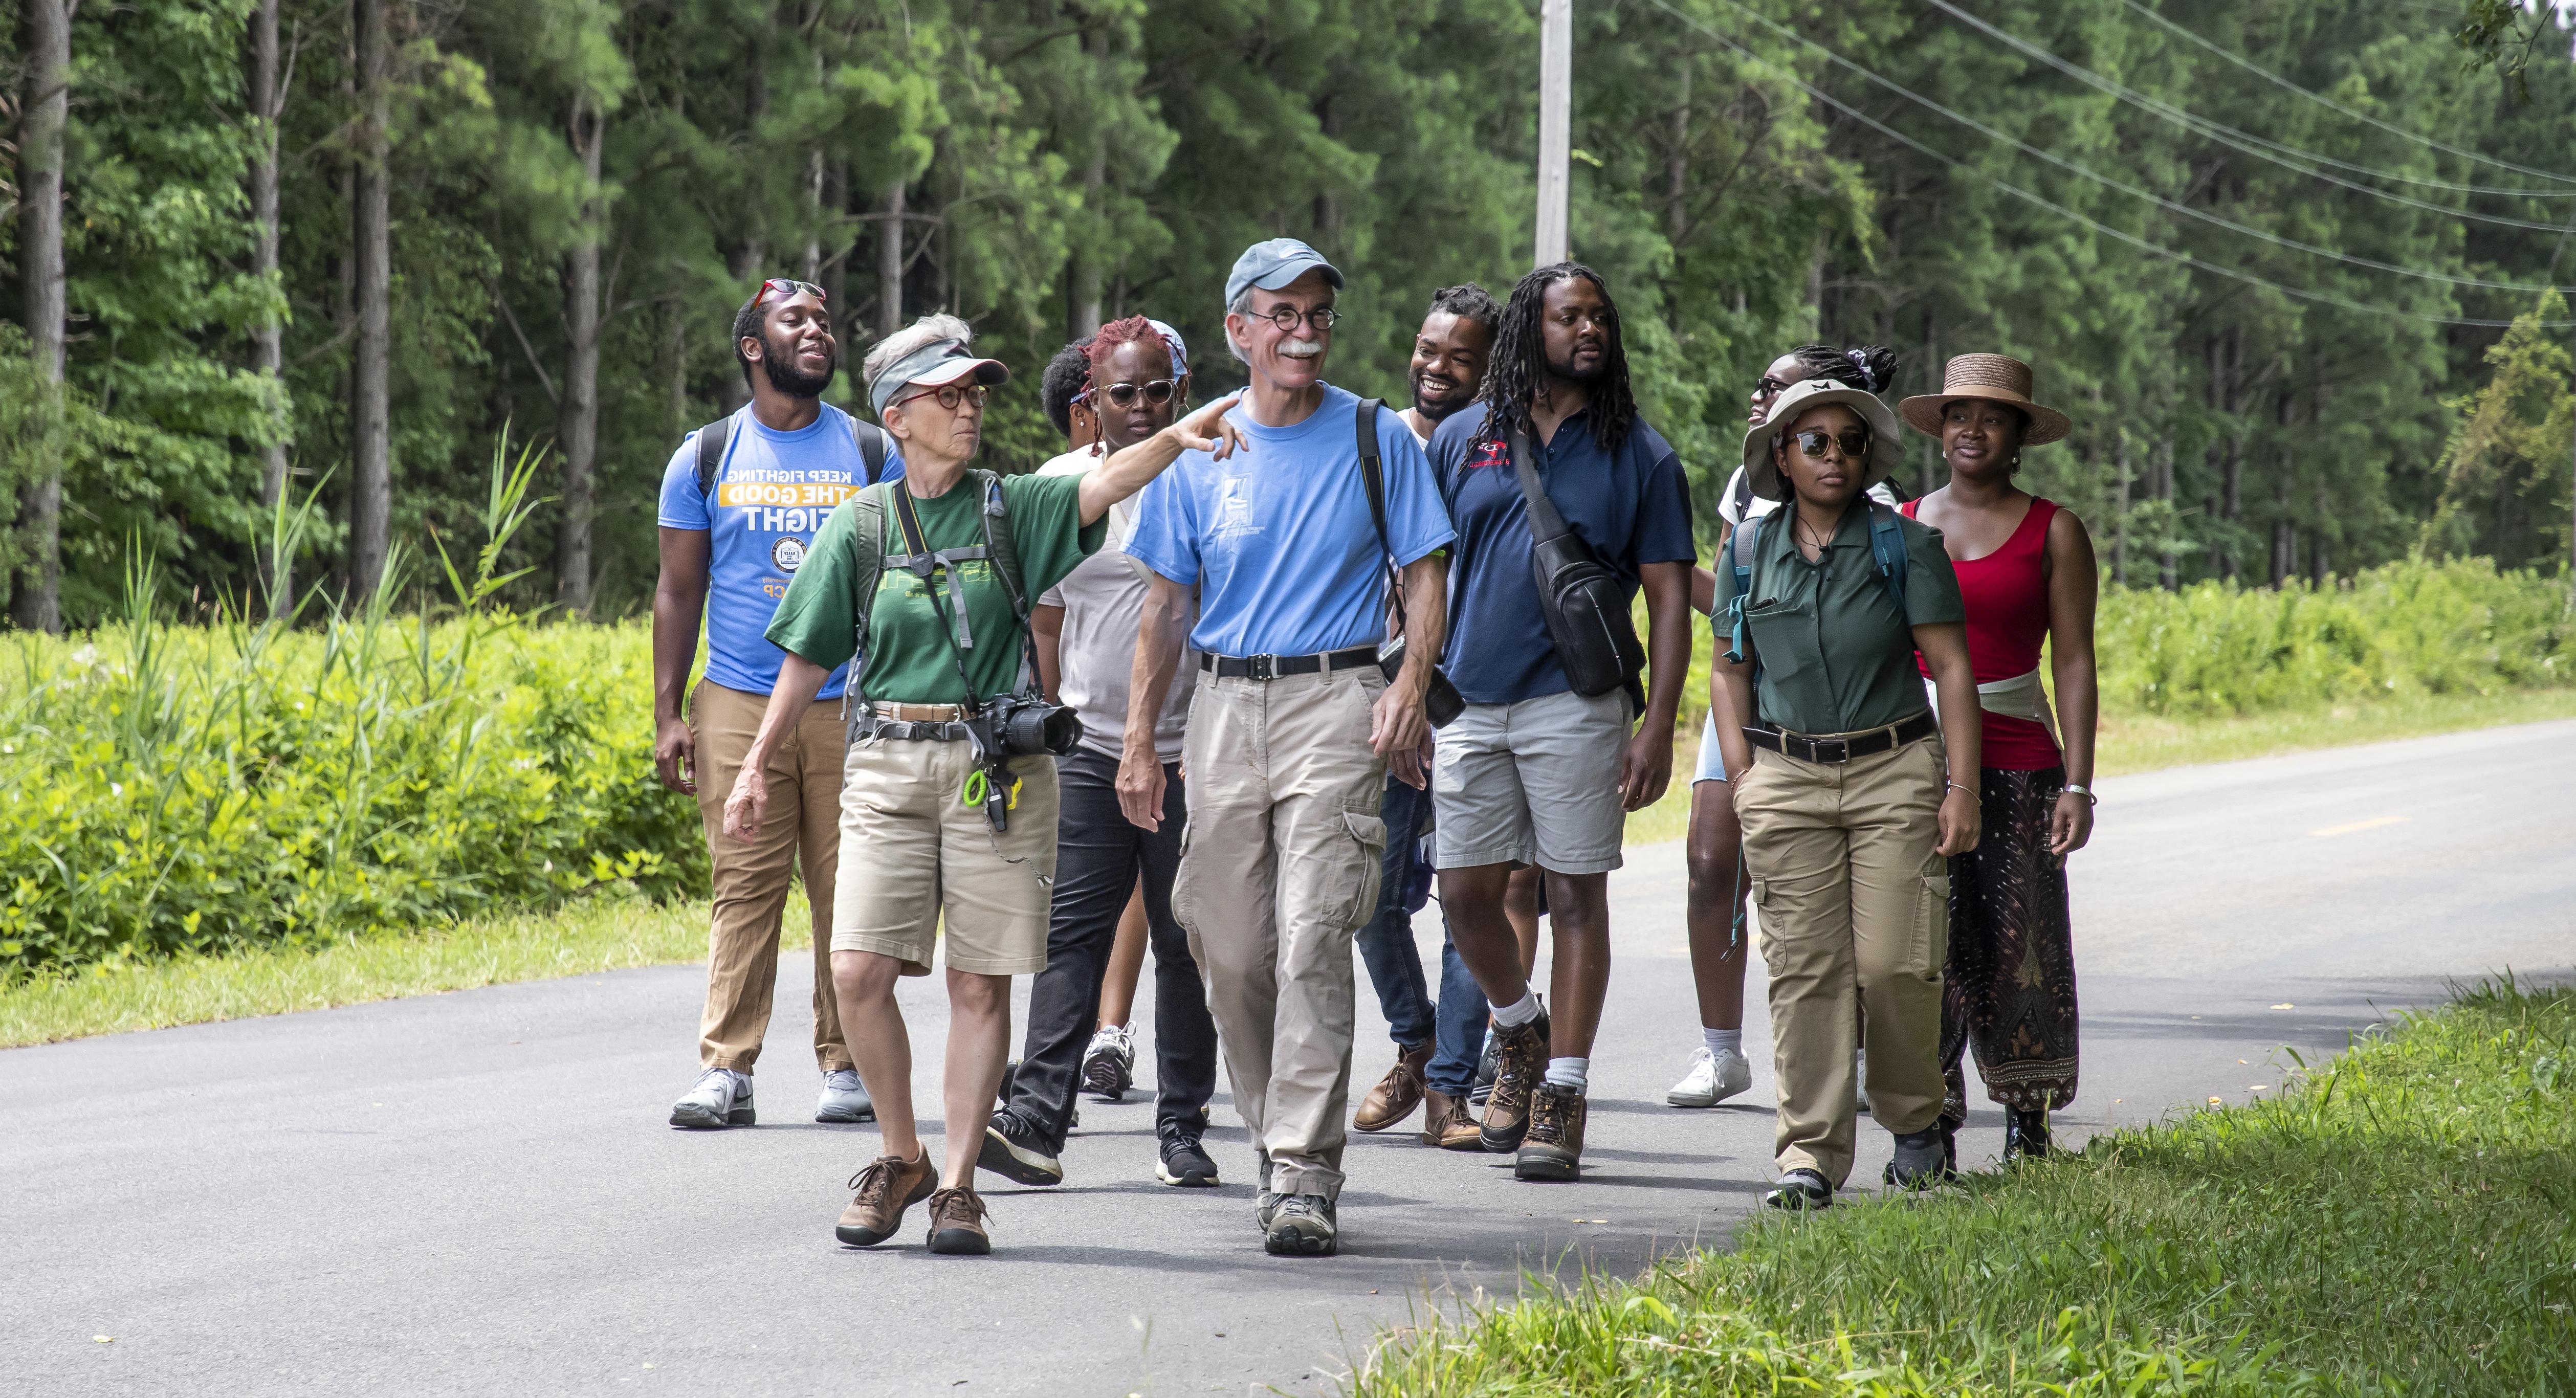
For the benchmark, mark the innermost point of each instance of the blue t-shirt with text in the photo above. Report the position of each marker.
(1632, 505)
(1277, 537)
(771, 492)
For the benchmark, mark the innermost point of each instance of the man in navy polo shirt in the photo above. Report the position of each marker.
(1294, 726)
(732, 537)
(1534, 773)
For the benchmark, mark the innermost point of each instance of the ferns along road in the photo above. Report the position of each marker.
(476, 1193)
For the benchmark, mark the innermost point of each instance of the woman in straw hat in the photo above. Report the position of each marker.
(2026, 574)
(1851, 793)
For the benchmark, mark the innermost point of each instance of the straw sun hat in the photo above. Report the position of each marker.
(1885, 453)
(1996, 378)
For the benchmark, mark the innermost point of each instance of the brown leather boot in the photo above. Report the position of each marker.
(1447, 1123)
(886, 1187)
(1521, 1061)
(1396, 1094)
(1552, 1148)
(957, 1223)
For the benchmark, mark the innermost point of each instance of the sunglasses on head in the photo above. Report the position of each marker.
(1124, 395)
(785, 287)
(950, 395)
(1854, 441)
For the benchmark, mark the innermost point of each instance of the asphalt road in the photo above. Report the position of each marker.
(476, 1193)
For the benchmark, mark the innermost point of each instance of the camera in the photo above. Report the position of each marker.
(1025, 725)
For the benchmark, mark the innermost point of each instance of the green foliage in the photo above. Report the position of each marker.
(2397, 1222)
(2505, 491)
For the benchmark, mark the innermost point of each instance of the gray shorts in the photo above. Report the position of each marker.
(1535, 782)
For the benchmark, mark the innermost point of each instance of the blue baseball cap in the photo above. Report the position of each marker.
(1180, 352)
(1273, 264)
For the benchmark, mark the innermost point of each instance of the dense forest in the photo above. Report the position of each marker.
(2265, 251)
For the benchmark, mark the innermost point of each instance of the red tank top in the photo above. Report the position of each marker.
(2006, 593)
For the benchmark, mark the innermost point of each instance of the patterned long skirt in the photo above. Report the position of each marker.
(2009, 986)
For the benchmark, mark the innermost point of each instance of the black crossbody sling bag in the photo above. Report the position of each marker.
(1581, 599)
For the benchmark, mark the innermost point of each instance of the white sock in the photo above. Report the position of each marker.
(1513, 1016)
(1568, 1072)
(1722, 1040)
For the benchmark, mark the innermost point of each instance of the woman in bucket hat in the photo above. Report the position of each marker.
(2026, 576)
(1851, 792)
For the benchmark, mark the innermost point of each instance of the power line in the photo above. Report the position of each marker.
(2040, 201)
(2358, 115)
(2252, 145)
(2132, 190)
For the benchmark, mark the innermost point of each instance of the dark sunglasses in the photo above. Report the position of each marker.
(786, 287)
(1766, 386)
(1854, 441)
(1123, 395)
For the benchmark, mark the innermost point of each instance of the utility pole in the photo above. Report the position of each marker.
(1555, 124)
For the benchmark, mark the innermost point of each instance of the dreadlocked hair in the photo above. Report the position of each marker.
(1517, 372)
(1869, 368)
(1136, 330)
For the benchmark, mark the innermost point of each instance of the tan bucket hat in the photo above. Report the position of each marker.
(1886, 454)
(1997, 378)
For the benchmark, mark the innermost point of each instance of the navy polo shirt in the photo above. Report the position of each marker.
(1632, 505)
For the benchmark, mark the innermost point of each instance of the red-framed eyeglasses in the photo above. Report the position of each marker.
(786, 287)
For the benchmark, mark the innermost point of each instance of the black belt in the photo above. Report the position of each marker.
(1271, 667)
(1844, 749)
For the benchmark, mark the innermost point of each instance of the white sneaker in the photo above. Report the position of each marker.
(1713, 1077)
(844, 1098)
(721, 1098)
(1109, 1063)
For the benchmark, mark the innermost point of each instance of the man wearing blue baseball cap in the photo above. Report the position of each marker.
(1288, 546)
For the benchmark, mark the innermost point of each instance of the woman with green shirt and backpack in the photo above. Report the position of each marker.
(949, 784)
(1847, 785)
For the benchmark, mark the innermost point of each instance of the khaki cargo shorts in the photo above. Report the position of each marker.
(918, 855)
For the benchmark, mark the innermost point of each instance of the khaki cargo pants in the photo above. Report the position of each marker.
(1279, 866)
(752, 876)
(1855, 918)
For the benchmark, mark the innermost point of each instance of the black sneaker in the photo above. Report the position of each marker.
(1800, 1191)
(1480, 1089)
(1922, 1159)
(1184, 1163)
(1302, 1226)
(1017, 1153)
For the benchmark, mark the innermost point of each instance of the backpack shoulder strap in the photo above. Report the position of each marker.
(1887, 545)
(711, 450)
(1742, 547)
(871, 440)
(1373, 477)
(999, 546)
(867, 569)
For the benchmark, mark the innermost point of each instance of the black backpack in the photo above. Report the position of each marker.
(872, 442)
(1585, 606)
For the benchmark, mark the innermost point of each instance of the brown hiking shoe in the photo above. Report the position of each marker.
(885, 1189)
(1396, 1094)
(1552, 1149)
(957, 1223)
(1447, 1123)
(1520, 1060)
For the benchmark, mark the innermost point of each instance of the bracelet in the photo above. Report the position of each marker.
(2080, 789)
(1958, 786)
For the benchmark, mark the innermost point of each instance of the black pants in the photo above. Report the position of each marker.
(1099, 857)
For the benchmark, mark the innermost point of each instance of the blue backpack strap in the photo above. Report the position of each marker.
(1741, 548)
(1887, 545)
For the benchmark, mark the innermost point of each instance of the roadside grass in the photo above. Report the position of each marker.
(2134, 742)
(2401, 1220)
(602, 933)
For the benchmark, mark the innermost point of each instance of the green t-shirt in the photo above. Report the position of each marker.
(1835, 656)
(912, 658)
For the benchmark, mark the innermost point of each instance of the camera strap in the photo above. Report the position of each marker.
(990, 784)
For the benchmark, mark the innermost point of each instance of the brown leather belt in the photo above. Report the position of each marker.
(917, 713)
(1846, 746)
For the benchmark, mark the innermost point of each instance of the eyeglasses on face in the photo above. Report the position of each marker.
(1853, 440)
(1287, 318)
(1124, 395)
(1766, 386)
(950, 395)
(784, 287)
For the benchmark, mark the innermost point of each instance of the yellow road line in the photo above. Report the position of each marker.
(2359, 825)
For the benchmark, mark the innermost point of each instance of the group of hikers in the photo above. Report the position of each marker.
(1242, 681)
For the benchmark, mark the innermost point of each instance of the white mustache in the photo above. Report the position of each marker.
(1301, 347)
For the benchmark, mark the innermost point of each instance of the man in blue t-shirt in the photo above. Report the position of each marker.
(1294, 726)
(741, 501)
(1533, 773)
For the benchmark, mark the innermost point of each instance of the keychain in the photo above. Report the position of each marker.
(979, 787)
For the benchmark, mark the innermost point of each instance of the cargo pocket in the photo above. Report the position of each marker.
(1927, 944)
(1184, 905)
(1761, 923)
(1353, 894)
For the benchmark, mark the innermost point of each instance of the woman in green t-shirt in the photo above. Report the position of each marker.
(945, 636)
(1844, 779)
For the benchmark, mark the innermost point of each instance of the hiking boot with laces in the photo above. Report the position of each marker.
(1480, 1088)
(1302, 1226)
(1522, 1060)
(1552, 1148)
(883, 1190)
(1014, 1150)
(1713, 1077)
(1109, 1064)
(1184, 1161)
(722, 1097)
(1800, 1191)
(1396, 1094)
(1448, 1124)
(957, 1223)
(844, 1098)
